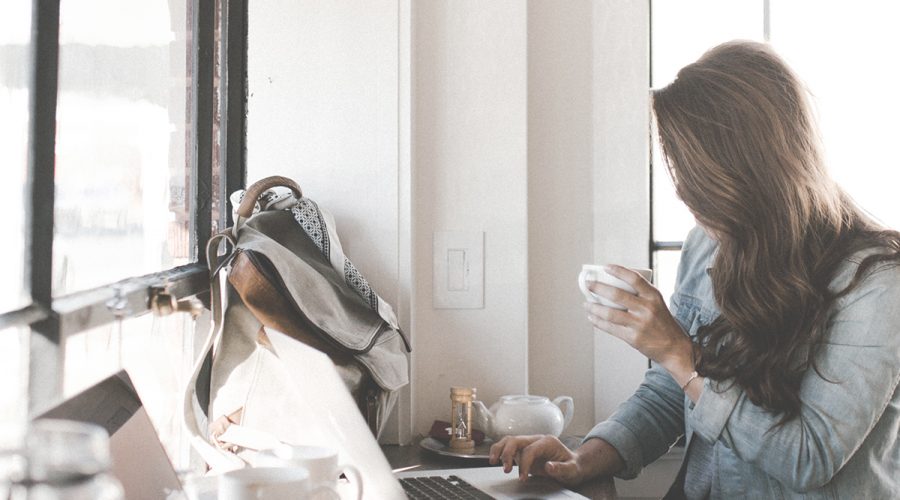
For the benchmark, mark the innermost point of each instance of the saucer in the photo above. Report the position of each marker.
(481, 451)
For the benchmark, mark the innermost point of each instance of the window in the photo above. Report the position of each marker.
(14, 48)
(123, 126)
(845, 54)
(679, 33)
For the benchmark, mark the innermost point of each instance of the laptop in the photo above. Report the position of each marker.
(330, 418)
(334, 420)
(139, 460)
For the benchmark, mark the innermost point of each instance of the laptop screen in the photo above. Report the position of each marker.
(139, 460)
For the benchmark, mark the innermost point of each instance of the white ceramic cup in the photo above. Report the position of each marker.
(321, 462)
(591, 272)
(270, 483)
(201, 487)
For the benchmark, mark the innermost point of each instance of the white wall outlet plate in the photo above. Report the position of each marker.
(458, 270)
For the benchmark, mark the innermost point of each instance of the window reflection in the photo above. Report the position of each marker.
(15, 24)
(14, 373)
(122, 149)
(156, 352)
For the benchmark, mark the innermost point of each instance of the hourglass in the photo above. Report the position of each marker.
(461, 418)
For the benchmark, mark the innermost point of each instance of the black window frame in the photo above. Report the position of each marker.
(655, 245)
(50, 320)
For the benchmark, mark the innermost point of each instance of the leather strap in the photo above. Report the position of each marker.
(259, 187)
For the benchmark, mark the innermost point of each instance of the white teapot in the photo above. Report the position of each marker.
(524, 414)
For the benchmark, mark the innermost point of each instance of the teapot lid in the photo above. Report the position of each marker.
(523, 399)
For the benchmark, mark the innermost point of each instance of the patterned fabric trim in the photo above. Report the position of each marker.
(307, 214)
(353, 277)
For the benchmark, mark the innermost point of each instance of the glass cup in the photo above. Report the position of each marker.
(61, 460)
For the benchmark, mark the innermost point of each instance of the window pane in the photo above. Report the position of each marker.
(847, 55)
(157, 353)
(14, 373)
(671, 218)
(122, 141)
(682, 32)
(665, 267)
(15, 27)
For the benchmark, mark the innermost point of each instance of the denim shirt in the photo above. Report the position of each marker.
(845, 443)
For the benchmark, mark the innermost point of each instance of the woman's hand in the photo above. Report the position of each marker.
(539, 456)
(547, 456)
(646, 324)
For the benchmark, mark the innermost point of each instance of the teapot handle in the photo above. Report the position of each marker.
(567, 405)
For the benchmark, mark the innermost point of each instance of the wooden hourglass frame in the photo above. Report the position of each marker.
(461, 418)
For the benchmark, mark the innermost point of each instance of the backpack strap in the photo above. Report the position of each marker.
(194, 414)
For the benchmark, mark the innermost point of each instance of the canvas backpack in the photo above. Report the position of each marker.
(283, 269)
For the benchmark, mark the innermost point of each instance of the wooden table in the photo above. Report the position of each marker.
(415, 457)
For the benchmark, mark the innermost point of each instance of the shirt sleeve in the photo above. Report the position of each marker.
(647, 424)
(858, 373)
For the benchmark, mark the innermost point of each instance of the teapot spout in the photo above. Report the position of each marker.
(482, 417)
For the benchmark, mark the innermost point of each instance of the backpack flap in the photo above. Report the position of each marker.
(284, 279)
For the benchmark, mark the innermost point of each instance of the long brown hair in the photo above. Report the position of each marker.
(743, 151)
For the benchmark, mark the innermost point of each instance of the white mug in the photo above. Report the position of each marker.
(201, 487)
(269, 483)
(590, 272)
(321, 462)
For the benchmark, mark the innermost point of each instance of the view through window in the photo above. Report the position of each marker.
(121, 142)
(14, 69)
(123, 173)
(123, 204)
(845, 53)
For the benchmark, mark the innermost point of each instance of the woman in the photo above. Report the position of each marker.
(780, 360)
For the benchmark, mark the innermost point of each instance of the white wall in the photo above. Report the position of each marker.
(470, 142)
(621, 178)
(527, 120)
(509, 117)
(323, 110)
(560, 202)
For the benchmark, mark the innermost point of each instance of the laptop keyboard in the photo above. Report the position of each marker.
(440, 488)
